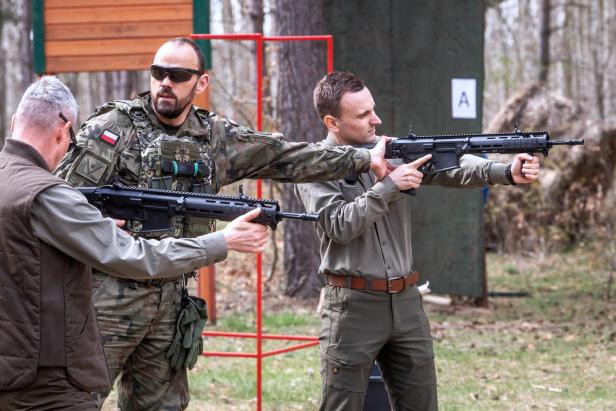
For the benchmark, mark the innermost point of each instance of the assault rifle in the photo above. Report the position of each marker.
(153, 210)
(446, 150)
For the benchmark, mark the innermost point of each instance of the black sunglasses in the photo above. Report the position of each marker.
(176, 74)
(73, 142)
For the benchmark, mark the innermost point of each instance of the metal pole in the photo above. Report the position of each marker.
(259, 51)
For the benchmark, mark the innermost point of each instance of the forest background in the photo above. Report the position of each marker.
(549, 64)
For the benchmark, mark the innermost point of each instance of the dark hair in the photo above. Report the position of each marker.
(330, 89)
(191, 43)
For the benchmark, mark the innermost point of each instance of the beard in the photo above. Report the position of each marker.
(172, 109)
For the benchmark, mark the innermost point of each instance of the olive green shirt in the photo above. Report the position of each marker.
(365, 227)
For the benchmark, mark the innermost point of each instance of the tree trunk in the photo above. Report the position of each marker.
(304, 64)
(257, 15)
(568, 56)
(4, 129)
(597, 47)
(544, 43)
(25, 45)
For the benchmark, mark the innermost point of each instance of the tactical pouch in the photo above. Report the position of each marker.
(161, 183)
(187, 343)
(185, 168)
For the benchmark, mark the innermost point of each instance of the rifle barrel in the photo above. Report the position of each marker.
(298, 216)
(570, 142)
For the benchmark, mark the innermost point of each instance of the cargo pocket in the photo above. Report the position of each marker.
(333, 314)
(423, 368)
(341, 375)
(423, 373)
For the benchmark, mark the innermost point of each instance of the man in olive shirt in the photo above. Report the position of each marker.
(372, 308)
(51, 356)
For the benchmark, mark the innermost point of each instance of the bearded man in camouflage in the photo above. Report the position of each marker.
(160, 140)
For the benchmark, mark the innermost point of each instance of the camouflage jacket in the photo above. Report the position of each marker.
(123, 141)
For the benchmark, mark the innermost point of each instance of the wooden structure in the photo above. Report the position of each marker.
(109, 35)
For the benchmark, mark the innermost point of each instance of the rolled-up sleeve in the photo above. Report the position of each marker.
(63, 218)
(474, 171)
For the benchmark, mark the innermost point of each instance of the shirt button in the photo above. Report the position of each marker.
(389, 267)
(384, 242)
(335, 370)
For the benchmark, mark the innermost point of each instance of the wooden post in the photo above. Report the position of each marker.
(207, 290)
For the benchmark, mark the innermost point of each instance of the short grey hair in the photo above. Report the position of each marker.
(43, 101)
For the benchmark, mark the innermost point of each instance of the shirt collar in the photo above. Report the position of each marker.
(26, 151)
(331, 140)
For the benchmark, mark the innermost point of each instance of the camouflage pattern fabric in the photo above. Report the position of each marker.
(123, 141)
(137, 325)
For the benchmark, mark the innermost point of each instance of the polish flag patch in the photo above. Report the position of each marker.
(109, 137)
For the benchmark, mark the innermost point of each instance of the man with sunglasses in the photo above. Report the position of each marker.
(160, 140)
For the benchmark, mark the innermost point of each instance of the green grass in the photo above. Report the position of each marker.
(291, 381)
(554, 350)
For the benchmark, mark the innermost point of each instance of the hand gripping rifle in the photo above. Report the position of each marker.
(154, 210)
(446, 150)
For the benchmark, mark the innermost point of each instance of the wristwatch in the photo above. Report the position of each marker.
(509, 175)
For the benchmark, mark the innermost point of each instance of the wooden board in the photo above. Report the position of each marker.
(111, 14)
(104, 35)
(103, 47)
(94, 63)
(63, 4)
(121, 30)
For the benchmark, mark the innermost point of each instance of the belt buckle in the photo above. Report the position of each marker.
(389, 285)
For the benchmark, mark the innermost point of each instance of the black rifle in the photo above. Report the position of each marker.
(446, 150)
(153, 210)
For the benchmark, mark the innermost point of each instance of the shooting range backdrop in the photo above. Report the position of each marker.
(423, 62)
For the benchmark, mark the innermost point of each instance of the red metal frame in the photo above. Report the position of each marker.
(310, 341)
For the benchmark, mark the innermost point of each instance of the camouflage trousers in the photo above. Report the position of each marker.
(137, 324)
(359, 327)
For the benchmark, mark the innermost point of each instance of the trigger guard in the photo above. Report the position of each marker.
(426, 168)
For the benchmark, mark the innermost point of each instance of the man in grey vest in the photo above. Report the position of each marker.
(372, 309)
(51, 355)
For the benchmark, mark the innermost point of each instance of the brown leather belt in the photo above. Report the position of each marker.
(390, 285)
(157, 282)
